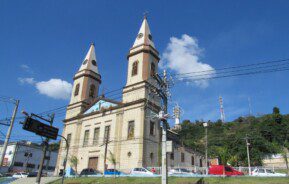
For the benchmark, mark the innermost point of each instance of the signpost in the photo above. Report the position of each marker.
(33, 125)
(41, 129)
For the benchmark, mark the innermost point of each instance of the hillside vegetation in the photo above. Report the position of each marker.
(267, 135)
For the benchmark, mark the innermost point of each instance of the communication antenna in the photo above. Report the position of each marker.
(250, 107)
(222, 109)
(177, 114)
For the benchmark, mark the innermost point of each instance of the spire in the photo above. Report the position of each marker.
(90, 62)
(144, 35)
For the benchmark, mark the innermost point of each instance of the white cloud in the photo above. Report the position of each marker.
(182, 55)
(26, 80)
(54, 88)
(26, 68)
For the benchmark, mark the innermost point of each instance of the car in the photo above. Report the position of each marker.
(20, 175)
(89, 172)
(180, 171)
(112, 172)
(266, 172)
(141, 171)
(34, 174)
(60, 172)
(224, 170)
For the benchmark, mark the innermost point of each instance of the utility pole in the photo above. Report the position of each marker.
(65, 159)
(106, 141)
(105, 155)
(248, 154)
(163, 92)
(45, 146)
(205, 124)
(9, 132)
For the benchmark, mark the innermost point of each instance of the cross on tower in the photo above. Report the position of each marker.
(145, 14)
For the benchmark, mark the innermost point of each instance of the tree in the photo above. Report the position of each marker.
(284, 154)
(276, 110)
(74, 162)
(112, 159)
(226, 140)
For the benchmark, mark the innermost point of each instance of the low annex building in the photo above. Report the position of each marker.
(98, 128)
(24, 156)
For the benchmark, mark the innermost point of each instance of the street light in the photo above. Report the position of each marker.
(205, 124)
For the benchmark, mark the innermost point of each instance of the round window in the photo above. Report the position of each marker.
(129, 154)
(84, 62)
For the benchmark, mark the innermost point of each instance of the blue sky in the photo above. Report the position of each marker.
(47, 40)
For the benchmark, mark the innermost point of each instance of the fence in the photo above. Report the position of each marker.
(193, 169)
(202, 170)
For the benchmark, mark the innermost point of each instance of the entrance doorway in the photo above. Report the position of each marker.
(93, 162)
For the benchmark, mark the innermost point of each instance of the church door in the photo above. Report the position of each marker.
(93, 162)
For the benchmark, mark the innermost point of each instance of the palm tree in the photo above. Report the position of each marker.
(224, 156)
(112, 159)
(74, 162)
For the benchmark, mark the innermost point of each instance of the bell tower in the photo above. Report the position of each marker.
(86, 84)
(143, 61)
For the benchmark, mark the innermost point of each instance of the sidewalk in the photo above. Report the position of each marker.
(44, 180)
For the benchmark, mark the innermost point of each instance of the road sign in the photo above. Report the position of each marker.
(39, 128)
(169, 146)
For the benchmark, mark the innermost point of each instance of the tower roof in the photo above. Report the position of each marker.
(90, 62)
(144, 35)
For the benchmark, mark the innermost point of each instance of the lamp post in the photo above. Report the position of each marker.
(205, 124)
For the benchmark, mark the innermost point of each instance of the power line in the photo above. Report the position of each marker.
(186, 79)
(233, 67)
(191, 79)
(235, 71)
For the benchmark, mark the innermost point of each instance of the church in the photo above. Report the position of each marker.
(99, 129)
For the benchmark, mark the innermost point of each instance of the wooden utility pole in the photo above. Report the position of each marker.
(106, 141)
(105, 155)
(9, 132)
(248, 154)
(45, 146)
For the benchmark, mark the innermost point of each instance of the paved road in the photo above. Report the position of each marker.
(32, 180)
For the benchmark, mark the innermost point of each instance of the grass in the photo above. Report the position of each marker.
(1, 180)
(176, 180)
(281, 171)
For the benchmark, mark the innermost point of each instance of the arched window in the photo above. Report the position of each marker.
(153, 69)
(76, 91)
(91, 90)
(193, 160)
(152, 157)
(134, 68)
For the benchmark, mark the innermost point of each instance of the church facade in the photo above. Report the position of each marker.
(100, 130)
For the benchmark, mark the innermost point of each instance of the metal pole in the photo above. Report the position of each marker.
(38, 179)
(164, 136)
(164, 153)
(248, 154)
(9, 132)
(206, 131)
(65, 159)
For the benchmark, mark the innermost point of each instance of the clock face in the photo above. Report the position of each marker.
(150, 37)
(84, 62)
(139, 36)
(93, 62)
